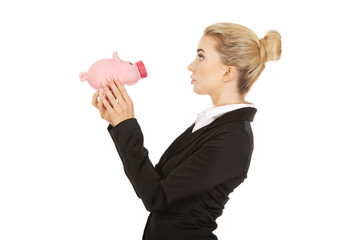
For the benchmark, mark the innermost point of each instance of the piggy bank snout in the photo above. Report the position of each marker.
(142, 69)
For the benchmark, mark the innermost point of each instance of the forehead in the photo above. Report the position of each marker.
(207, 43)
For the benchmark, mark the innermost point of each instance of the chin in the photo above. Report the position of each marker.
(197, 91)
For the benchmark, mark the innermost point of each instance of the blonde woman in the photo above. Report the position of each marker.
(188, 188)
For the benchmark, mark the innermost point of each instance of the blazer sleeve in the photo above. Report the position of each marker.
(219, 159)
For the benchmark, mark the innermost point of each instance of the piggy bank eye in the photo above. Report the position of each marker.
(130, 63)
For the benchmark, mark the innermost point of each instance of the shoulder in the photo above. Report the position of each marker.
(231, 129)
(232, 133)
(229, 135)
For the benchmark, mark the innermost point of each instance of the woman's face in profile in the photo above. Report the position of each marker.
(207, 69)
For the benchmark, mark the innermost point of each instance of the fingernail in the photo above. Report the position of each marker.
(108, 78)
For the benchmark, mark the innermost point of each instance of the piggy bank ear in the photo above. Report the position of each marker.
(116, 57)
(83, 77)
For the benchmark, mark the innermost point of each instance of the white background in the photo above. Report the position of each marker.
(60, 175)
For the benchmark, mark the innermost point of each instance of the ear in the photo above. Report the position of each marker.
(116, 57)
(230, 73)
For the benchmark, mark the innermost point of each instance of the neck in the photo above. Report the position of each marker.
(227, 99)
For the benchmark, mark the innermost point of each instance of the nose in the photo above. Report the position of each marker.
(191, 66)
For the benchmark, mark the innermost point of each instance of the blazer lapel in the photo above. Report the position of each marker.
(164, 157)
(188, 137)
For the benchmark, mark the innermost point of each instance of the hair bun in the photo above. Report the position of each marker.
(270, 46)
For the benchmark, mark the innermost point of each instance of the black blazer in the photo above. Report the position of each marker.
(188, 188)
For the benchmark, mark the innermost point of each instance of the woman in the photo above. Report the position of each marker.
(188, 188)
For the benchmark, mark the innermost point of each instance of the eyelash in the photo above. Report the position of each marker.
(201, 56)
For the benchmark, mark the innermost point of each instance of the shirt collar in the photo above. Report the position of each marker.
(214, 112)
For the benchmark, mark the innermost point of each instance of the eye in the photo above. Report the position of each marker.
(201, 57)
(130, 63)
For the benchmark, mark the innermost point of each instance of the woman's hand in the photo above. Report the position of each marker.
(115, 104)
(100, 106)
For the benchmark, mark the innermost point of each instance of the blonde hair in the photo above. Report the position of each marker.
(239, 46)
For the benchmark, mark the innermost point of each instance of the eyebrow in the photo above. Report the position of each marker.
(200, 50)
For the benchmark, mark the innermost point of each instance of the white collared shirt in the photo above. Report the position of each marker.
(212, 113)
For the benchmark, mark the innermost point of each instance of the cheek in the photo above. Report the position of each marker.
(204, 71)
(209, 75)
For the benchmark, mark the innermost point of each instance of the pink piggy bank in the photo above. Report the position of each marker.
(127, 72)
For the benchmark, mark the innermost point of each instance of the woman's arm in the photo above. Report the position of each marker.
(221, 158)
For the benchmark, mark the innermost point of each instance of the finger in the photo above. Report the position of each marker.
(107, 105)
(95, 99)
(115, 89)
(122, 90)
(100, 103)
(109, 95)
(102, 109)
(99, 106)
